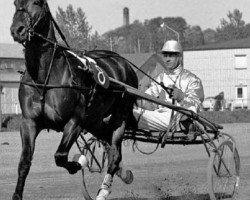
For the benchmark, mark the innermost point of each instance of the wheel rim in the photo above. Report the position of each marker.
(224, 172)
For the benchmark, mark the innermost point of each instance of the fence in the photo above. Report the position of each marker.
(212, 104)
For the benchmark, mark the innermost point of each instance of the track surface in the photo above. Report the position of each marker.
(173, 173)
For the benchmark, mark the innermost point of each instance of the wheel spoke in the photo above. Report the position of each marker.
(95, 151)
(224, 171)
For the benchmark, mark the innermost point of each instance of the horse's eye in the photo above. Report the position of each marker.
(38, 3)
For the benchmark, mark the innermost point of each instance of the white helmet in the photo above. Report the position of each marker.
(172, 46)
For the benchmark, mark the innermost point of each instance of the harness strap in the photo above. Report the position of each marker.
(48, 75)
(59, 31)
(49, 86)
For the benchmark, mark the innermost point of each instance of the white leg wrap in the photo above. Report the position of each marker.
(105, 189)
(81, 159)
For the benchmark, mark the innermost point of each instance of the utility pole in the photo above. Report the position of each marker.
(139, 45)
(111, 44)
(1, 89)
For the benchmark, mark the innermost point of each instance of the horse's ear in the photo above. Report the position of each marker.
(46, 6)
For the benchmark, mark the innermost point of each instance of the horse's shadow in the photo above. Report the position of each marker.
(181, 197)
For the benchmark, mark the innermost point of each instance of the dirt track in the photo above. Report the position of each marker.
(173, 173)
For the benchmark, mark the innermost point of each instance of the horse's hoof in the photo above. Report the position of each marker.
(16, 197)
(100, 198)
(129, 177)
(103, 194)
(126, 177)
(73, 167)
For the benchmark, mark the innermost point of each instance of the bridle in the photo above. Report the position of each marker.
(33, 24)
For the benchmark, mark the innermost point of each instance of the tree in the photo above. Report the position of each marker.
(75, 26)
(153, 27)
(138, 36)
(193, 36)
(159, 34)
(132, 38)
(98, 42)
(247, 27)
(232, 29)
(117, 39)
(209, 36)
(179, 24)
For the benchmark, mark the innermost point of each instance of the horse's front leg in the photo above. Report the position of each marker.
(29, 133)
(114, 159)
(70, 135)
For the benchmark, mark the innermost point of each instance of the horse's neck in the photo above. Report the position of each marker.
(38, 55)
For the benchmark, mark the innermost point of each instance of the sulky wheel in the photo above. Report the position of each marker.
(93, 156)
(223, 172)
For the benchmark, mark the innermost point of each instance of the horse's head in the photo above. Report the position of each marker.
(30, 16)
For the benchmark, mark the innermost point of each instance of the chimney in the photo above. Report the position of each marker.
(125, 16)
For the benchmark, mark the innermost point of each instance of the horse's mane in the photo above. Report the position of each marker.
(95, 54)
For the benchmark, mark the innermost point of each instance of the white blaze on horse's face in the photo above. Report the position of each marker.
(28, 13)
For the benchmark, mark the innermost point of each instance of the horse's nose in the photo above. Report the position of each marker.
(17, 31)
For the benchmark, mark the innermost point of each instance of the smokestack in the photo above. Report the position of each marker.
(125, 16)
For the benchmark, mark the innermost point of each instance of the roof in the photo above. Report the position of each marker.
(137, 59)
(11, 50)
(233, 44)
(146, 62)
(9, 77)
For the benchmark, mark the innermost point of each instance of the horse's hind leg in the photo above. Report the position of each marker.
(70, 134)
(29, 133)
(114, 158)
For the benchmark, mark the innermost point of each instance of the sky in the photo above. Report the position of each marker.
(105, 15)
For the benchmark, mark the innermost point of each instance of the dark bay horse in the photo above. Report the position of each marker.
(56, 94)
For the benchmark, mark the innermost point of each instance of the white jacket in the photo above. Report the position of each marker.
(183, 79)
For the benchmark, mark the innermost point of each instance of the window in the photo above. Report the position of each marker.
(241, 96)
(239, 93)
(3, 66)
(241, 61)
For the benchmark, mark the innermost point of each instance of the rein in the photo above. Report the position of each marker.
(45, 85)
(49, 86)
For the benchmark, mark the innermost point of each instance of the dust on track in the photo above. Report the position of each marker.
(174, 173)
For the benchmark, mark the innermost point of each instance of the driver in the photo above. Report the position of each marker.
(187, 91)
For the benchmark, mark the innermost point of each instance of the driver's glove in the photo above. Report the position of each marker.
(177, 94)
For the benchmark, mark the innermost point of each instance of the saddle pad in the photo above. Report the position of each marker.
(99, 75)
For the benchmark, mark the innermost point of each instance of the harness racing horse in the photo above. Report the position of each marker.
(57, 91)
